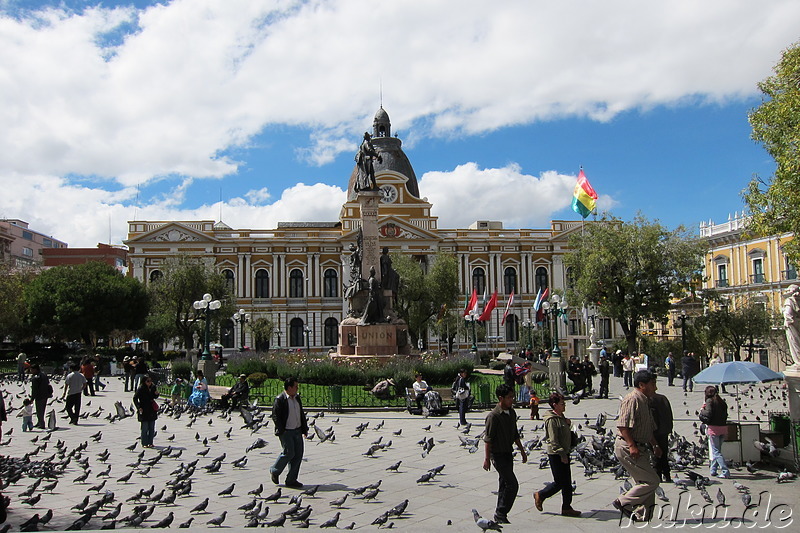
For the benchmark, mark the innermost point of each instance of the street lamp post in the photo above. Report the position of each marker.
(307, 333)
(204, 307)
(682, 317)
(278, 334)
(241, 318)
(473, 317)
(557, 308)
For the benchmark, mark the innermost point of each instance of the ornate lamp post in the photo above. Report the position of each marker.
(557, 308)
(307, 333)
(241, 318)
(278, 334)
(473, 317)
(683, 318)
(204, 307)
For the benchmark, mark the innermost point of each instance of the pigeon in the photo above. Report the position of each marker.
(165, 522)
(187, 524)
(227, 491)
(394, 467)
(257, 491)
(217, 521)
(485, 523)
(274, 496)
(259, 443)
(200, 507)
(338, 502)
(277, 522)
(720, 497)
(310, 491)
(332, 522)
(399, 509)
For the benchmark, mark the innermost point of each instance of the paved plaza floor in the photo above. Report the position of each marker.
(341, 465)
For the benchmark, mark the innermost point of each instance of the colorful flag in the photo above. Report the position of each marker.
(508, 307)
(472, 304)
(537, 305)
(487, 310)
(584, 199)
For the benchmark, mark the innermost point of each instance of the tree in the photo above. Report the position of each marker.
(183, 282)
(13, 281)
(423, 291)
(743, 326)
(85, 302)
(776, 125)
(631, 270)
(262, 330)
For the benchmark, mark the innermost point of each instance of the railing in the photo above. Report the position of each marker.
(758, 278)
(789, 274)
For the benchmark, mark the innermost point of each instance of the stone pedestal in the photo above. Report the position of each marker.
(373, 339)
(371, 254)
(594, 354)
(557, 373)
(209, 368)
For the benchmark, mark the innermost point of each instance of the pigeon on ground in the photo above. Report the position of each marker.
(485, 523)
(217, 521)
(332, 522)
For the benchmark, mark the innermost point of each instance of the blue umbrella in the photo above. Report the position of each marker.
(736, 372)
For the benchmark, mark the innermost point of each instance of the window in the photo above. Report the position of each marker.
(331, 333)
(510, 280)
(722, 275)
(230, 281)
(27, 252)
(758, 270)
(47, 242)
(574, 326)
(262, 283)
(330, 284)
(604, 328)
(296, 279)
(27, 235)
(791, 272)
(541, 279)
(155, 275)
(297, 333)
(512, 328)
(479, 280)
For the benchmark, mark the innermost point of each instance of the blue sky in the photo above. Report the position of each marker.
(117, 111)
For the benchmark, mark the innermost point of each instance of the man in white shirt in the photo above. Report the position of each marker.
(74, 384)
(420, 388)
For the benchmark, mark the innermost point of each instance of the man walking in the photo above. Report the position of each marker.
(636, 431)
(74, 384)
(688, 370)
(669, 364)
(628, 364)
(662, 414)
(605, 370)
(500, 435)
(291, 426)
(41, 390)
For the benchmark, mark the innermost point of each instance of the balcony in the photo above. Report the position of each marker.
(758, 278)
(789, 275)
(722, 283)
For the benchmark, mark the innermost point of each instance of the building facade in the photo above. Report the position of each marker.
(116, 256)
(21, 245)
(294, 274)
(745, 269)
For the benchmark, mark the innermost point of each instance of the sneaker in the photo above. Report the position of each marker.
(501, 520)
(537, 501)
(294, 485)
(274, 477)
(570, 512)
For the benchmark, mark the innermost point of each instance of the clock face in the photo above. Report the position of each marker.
(388, 194)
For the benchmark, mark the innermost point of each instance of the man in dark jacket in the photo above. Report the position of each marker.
(605, 370)
(291, 426)
(40, 392)
(662, 414)
(238, 393)
(688, 370)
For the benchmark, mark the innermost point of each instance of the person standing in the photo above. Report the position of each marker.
(662, 414)
(129, 368)
(87, 369)
(21, 358)
(509, 375)
(500, 435)
(669, 364)
(461, 388)
(140, 371)
(605, 370)
(145, 401)
(589, 371)
(688, 370)
(636, 429)
(628, 364)
(291, 427)
(27, 414)
(714, 415)
(41, 391)
(559, 437)
(617, 361)
(74, 384)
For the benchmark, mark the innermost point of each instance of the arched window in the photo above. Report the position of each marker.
(230, 280)
(227, 334)
(330, 284)
(479, 280)
(510, 280)
(541, 279)
(155, 275)
(512, 328)
(331, 334)
(296, 280)
(262, 284)
(296, 329)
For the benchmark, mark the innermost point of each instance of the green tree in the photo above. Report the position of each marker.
(13, 281)
(631, 270)
(262, 330)
(744, 326)
(774, 203)
(424, 289)
(85, 302)
(183, 282)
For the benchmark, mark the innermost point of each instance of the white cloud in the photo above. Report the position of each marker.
(469, 193)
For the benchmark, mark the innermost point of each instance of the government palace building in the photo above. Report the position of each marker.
(294, 274)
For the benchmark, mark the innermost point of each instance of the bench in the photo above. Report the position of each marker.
(217, 391)
(444, 392)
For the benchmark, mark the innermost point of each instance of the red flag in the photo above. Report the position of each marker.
(538, 304)
(508, 307)
(490, 305)
(473, 303)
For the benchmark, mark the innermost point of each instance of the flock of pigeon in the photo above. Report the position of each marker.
(181, 482)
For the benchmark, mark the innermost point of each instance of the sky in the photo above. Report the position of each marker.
(251, 112)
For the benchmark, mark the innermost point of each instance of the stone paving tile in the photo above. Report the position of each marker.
(442, 504)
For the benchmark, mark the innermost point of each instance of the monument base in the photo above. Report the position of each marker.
(372, 340)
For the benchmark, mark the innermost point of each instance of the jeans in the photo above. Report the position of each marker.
(462, 411)
(627, 378)
(603, 387)
(562, 481)
(73, 406)
(27, 423)
(292, 454)
(508, 486)
(148, 432)
(129, 382)
(137, 380)
(41, 405)
(718, 465)
(687, 381)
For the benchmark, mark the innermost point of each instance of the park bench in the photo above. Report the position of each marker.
(216, 392)
(444, 392)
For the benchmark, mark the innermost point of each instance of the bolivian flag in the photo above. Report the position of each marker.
(584, 198)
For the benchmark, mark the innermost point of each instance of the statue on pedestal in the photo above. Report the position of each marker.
(389, 277)
(791, 319)
(373, 310)
(365, 161)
